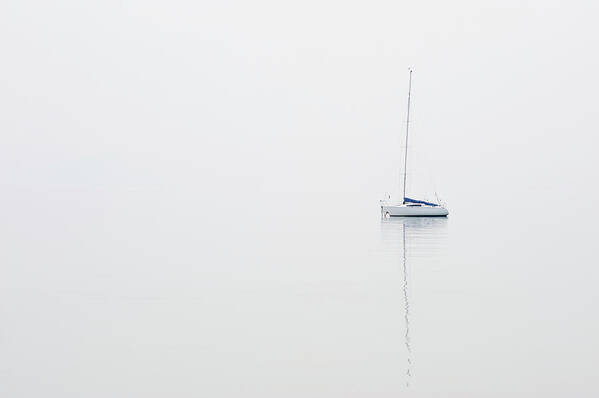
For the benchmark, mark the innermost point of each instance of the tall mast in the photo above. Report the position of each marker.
(405, 166)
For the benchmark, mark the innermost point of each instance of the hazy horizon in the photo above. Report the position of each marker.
(190, 198)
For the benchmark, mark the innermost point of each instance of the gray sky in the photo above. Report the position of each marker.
(306, 97)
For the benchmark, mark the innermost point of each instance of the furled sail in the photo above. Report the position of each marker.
(422, 202)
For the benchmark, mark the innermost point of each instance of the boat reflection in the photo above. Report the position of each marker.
(411, 238)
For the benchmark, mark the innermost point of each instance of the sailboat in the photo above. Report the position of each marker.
(410, 207)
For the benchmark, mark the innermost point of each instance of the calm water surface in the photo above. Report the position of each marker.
(155, 293)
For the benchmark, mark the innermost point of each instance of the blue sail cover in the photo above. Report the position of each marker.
(408, 200)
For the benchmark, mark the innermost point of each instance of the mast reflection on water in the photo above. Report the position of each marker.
(412, 238)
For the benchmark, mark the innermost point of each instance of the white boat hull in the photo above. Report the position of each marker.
(401, 210)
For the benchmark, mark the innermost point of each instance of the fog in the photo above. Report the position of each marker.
(190, 198)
